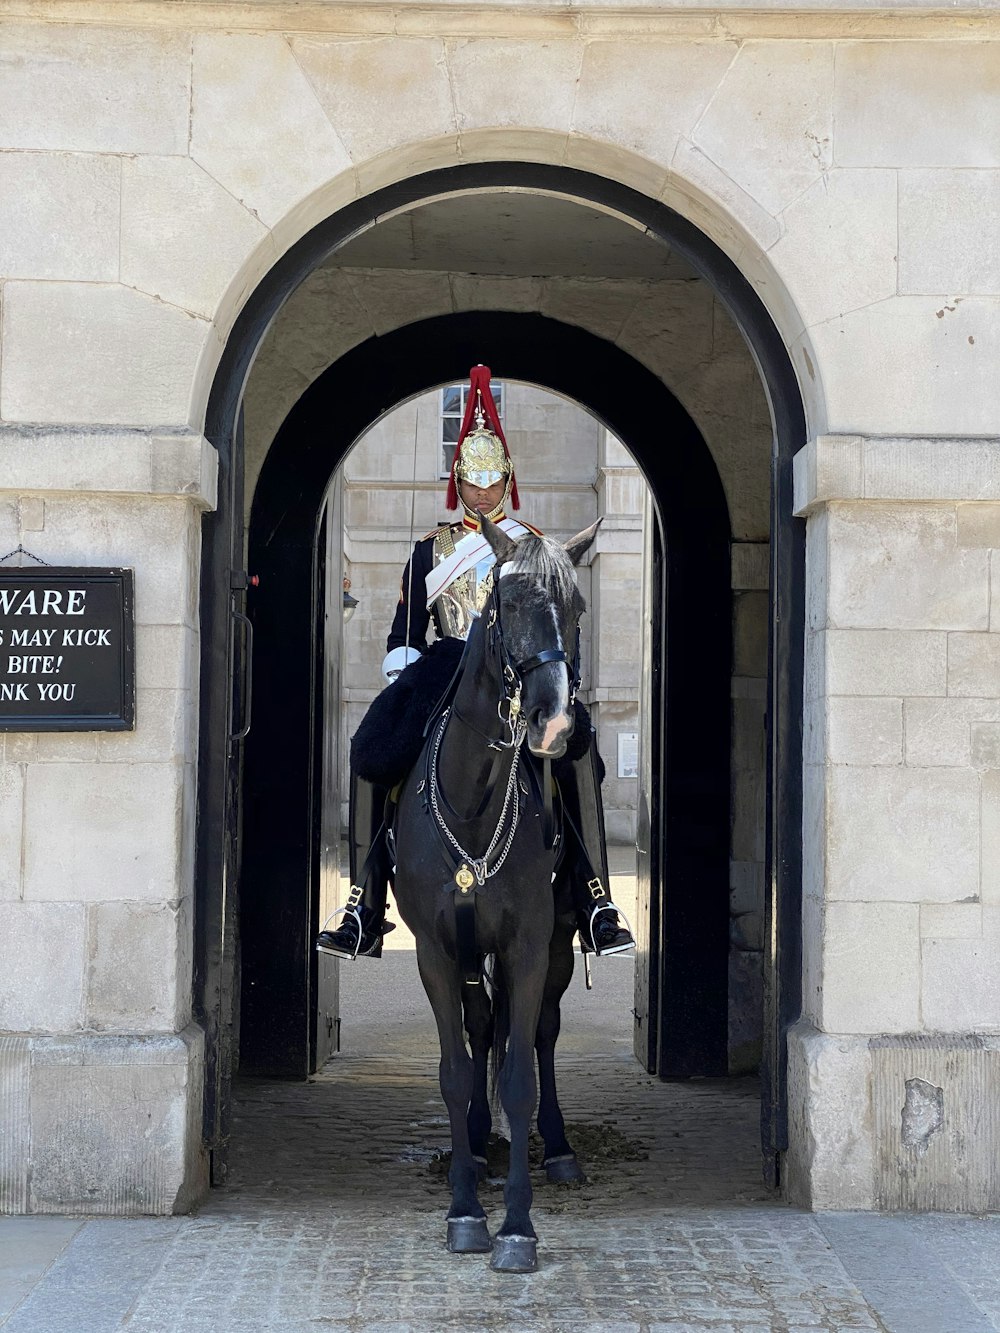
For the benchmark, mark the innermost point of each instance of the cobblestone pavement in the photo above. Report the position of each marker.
(334, 1219)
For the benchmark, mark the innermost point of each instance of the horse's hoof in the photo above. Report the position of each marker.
(468, 1235)
(514, 1254)
(564, 1170)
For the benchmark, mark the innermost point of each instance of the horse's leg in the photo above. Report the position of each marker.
(479, 1026)
(515, 1247)
(467, 1232)
(561, 1166)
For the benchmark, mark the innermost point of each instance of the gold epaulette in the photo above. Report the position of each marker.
(441, 527)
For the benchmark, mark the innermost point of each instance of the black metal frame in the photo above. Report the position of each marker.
(379, 393)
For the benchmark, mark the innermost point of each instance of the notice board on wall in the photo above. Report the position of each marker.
(67, 649)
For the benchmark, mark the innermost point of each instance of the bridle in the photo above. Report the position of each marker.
(511, 673)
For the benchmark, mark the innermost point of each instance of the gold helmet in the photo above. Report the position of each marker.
(481, 455)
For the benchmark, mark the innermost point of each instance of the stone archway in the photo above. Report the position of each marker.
(224, 551)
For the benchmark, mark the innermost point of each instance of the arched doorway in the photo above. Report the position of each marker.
(681, 829)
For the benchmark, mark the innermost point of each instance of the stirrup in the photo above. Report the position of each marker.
(587, 944)
(326, 945)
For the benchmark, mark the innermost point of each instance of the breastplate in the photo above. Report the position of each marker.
(463, 599)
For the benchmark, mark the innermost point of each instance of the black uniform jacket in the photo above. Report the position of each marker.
(413, 591)
(413, 596)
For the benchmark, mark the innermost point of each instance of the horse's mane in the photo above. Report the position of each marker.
(549, 567)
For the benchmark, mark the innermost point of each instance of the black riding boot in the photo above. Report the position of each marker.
(360, 932)
(601, 931)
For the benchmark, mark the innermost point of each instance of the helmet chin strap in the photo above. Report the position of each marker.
(498, 510)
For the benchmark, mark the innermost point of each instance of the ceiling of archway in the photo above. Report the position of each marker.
(512, 234)
(528, 253)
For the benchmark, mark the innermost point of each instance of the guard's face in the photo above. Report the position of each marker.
(483, 499)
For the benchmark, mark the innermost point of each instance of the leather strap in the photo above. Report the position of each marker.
(470, 962)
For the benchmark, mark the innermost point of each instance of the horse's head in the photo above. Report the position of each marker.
(539, 608)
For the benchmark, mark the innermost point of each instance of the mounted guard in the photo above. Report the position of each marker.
(448, 581)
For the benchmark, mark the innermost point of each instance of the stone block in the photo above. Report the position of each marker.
(990, 846)
(15, 1139)
(985, 744)
(82, 352)
(719, 204)
(979, 524)
(11, 807)
(115, 1124)
(166, 658)
(138, 966)
(157, 537)
(750, 566)
(322, 319)
(886, 661)
(42, 959)
(871, 967)
(939, 731)
(108, 89)
(917, 104)
(935, 1100)
(250, 101)
(612, 101)
(949, 231)
(597, 304)
(406, 79)
(108, 461)
(913, 365)
(951, 921)
(471, 292)
(945, 468)
(851, 217)
(166, 727)
(162, 253)
(973, 665)
(785, 143)
(861, 731)
(973, 1005)
(751, 631)
(59, 747)
(537, 88)
(902, 835)
(892, 567)
(103, 833)
(411, 296)
(829, 467)
(35, 241)
(830, 1160)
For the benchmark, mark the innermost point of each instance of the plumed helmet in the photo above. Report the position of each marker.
(481, 455)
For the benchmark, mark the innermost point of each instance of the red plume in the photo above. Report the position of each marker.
(479, 378)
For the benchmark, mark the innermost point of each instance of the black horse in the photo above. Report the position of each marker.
(477, 845)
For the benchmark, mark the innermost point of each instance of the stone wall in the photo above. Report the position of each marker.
(846, 162)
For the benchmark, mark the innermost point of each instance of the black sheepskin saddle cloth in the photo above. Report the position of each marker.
(388, 743)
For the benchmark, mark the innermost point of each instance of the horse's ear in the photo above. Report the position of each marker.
(504, 548)
(578, 546)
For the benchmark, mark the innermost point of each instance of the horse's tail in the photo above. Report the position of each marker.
(501, 1024)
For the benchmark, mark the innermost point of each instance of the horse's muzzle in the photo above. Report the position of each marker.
(548, 734)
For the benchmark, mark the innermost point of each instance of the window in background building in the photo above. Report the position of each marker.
(452, 411)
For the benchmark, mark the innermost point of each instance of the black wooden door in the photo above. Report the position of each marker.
(649, 834)
(227, 648)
